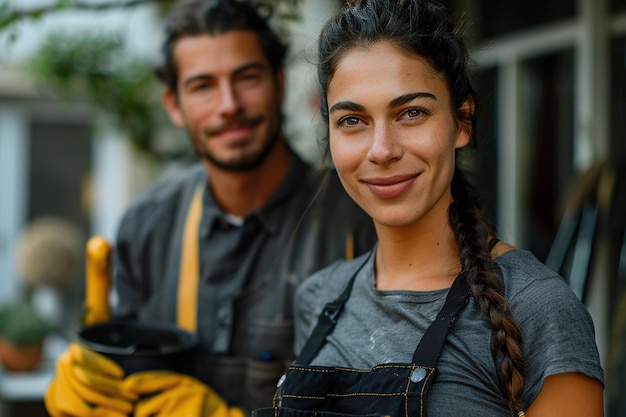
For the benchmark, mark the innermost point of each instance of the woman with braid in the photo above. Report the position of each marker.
(441, 319)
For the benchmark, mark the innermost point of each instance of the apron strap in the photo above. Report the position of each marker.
(327, 321)
(492, 243)
(189, 273)
(349, 246)
(429, 347)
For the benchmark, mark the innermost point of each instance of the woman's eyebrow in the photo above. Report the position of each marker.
(407, 98)
(347, 105)
(399, 101)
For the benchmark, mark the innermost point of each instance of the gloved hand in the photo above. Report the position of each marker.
(167, 393)
(87, 384)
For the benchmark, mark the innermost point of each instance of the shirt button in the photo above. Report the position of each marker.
(223, 316)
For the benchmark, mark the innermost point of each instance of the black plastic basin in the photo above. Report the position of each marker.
(142, 345)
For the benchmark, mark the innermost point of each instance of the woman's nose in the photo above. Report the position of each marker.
(384, 149)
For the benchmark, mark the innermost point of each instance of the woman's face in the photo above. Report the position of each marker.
(393, 134)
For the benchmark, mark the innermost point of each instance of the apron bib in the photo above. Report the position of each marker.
(394, 389)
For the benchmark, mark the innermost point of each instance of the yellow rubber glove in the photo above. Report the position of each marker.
(167, 393)
(87, 384)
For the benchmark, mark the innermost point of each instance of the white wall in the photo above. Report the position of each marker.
(140, 26)
(303, 126)
(13, 156)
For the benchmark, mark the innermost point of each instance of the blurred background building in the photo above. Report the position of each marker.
(551, 82)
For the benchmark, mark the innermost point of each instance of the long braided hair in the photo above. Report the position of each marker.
(427, 29)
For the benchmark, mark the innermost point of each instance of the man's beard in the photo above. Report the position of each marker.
(248, 160)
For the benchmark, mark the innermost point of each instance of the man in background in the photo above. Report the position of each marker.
(220, 249)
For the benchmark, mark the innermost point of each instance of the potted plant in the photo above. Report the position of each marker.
(22, 332)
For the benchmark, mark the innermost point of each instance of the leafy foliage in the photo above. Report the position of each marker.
(20, 323)
(95, 66)
(9, 16)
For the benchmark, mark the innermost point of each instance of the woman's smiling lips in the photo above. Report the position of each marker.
(390, 187)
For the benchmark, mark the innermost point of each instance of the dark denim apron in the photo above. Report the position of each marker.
(395, 389)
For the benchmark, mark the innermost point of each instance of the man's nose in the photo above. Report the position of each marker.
(230, 104)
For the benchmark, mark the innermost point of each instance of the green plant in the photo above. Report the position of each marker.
(21, 324)
(97, 66)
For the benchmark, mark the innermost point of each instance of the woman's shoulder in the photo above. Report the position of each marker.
(559, 334)
(530, 284)
(523, 264)
(331, 280)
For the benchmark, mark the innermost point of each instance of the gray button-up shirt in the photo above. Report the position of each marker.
(248, 271)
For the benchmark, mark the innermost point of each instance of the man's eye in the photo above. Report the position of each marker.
(253, 76)
(250, 77)
(198, 86)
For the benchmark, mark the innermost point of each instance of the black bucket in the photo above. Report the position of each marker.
(142, 345)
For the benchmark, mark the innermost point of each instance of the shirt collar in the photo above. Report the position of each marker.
(267, 215)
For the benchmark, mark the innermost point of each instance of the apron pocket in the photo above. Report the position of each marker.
(260, 380)
(269, 340)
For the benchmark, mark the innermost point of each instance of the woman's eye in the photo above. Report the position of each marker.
(412, 113)
(349, 121)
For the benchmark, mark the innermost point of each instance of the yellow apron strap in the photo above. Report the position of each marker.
(189, 274)
(350, 246)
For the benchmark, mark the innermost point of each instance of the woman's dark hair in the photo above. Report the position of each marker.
(215, 17)
(426, 28)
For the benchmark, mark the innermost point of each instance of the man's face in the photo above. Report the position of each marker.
(228, 99)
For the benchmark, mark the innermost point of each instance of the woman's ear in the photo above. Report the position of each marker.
(466, 126)
(172, 106)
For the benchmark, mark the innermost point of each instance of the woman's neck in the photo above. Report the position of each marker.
(419, 258)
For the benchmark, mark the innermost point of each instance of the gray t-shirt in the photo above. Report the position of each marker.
(378, 327)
